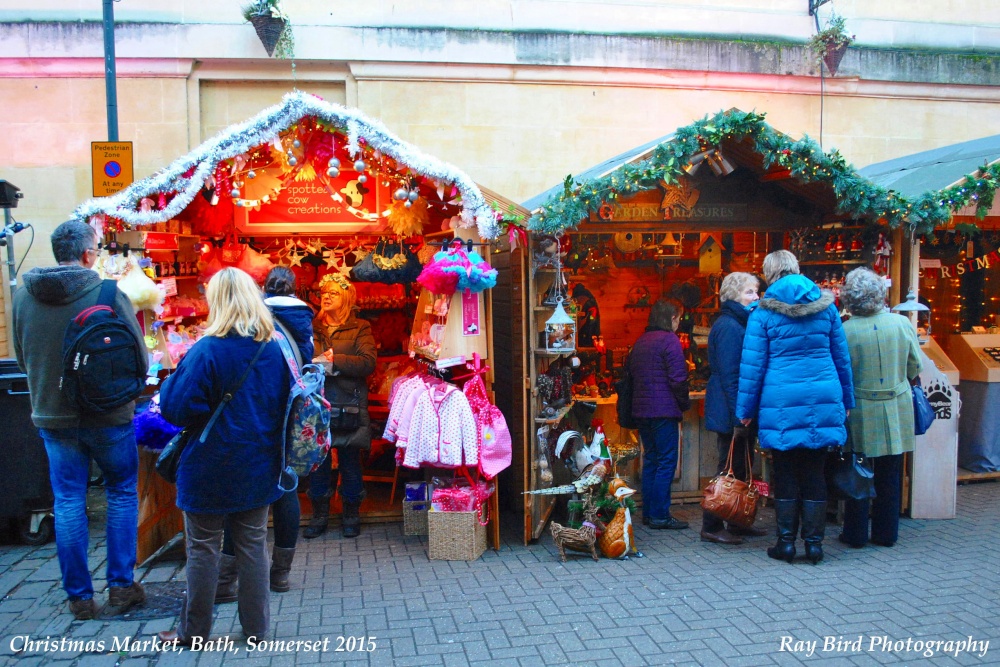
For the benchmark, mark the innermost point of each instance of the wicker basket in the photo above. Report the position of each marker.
(269, 31)
(415, 517)
(455, 536)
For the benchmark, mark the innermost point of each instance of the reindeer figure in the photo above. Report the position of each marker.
(582, 539)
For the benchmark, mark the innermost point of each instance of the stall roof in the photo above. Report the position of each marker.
(936, 169)
(166, 193)
(743, 138)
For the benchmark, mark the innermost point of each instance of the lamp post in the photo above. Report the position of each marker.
(910, 307)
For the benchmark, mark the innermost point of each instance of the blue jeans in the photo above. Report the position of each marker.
(70, 451)
(352, 487)
(660, 439)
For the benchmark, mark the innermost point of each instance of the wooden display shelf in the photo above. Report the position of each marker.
(969, 476)
(832, 262)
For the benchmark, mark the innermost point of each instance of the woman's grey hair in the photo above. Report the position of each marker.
(734, 284)
(662, 314)
(779, 264)
(71, 239)
(864, 292)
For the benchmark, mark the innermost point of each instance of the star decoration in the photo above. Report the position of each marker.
(295, 259)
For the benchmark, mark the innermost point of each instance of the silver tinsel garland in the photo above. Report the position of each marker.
(264, 128)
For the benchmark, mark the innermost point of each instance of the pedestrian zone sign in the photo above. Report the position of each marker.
(111, 164)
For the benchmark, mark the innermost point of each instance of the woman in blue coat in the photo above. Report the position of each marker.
(738, 297)
(233, 475)
(659, 399)
(296, 316)
(796, 380)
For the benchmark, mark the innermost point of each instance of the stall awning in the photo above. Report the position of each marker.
(913, 175)
(726, 141)
(326, 130)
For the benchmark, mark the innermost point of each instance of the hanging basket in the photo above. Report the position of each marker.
(269, 31)
(833, 56)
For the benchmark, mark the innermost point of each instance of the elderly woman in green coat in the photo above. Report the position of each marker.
(885, 357)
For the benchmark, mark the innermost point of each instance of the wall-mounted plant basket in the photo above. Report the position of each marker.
(269, 31)
(834, 54)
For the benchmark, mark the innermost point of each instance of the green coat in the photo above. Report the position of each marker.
(885, 355)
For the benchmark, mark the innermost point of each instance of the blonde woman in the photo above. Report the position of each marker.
(233, 475)
(346, 347)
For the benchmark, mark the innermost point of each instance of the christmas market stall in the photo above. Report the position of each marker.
(669, 219)
(334, 196)
(954, 266)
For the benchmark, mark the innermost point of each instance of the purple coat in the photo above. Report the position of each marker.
(657, 365)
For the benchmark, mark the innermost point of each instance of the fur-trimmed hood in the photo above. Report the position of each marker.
(796, 296)
(60, 284)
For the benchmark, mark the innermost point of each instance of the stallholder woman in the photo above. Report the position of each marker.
(346, 348)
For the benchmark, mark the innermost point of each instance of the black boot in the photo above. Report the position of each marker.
(281, 565)
(351, 526)
(813, 528)
(225, 591)
(320, 516)
(786, 513)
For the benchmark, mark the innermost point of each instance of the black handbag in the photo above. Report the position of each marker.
(345, 407)
(623, 387)
(849, 475)
(923, 412)
(170, 458)
(390, 262)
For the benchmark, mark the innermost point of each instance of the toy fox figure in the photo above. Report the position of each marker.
(618, 540)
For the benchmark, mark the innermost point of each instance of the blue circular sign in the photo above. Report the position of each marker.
(112, 169)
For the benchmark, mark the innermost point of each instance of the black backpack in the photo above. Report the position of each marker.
(102, 360)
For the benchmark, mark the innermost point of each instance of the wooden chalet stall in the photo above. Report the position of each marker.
(669, 219)
(319, 188)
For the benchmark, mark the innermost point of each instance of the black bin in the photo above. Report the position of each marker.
(25, 490)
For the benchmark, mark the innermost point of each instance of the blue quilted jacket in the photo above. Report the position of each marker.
(725, 348)
(795, 375)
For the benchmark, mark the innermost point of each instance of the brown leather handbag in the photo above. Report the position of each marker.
(729, 498)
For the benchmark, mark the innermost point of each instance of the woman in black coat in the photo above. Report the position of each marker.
(738, 296)
(346, 348)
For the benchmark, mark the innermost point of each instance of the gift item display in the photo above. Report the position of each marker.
(656, 224)
(329, 194)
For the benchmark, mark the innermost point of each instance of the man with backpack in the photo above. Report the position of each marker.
(61, 318)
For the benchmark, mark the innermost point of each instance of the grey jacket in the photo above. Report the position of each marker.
(43, 307)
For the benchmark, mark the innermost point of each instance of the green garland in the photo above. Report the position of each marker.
(857, 196)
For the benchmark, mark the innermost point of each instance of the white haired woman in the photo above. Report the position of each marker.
(885, 358)
(233, 475)
(795, 378)
(737, 297)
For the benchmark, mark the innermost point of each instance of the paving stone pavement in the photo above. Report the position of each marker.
(685, 603)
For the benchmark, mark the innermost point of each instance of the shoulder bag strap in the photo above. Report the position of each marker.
(291, 342)
(107, 295)
(228, 396)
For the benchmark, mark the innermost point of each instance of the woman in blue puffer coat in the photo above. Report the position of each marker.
(796, 380)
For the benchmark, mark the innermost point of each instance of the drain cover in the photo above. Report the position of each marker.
(163, 600)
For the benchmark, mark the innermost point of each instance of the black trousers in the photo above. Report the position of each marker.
(798, 474)
(884, 507)
(741, 449)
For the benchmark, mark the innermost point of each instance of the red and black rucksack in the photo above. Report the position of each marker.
(102, 360)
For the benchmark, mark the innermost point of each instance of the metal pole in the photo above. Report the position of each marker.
(110, 87)
(7, 239)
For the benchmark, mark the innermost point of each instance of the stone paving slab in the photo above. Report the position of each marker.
(685, 603)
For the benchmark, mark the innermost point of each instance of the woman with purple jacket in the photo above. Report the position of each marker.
(659, 399)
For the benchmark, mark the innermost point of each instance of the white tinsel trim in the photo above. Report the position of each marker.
(263, 129)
